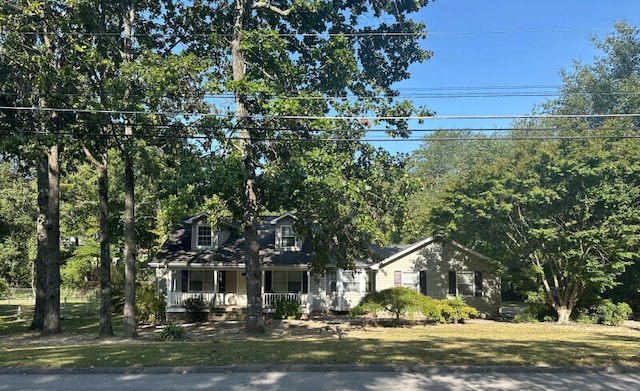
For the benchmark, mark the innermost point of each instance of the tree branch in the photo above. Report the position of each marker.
(266, 4)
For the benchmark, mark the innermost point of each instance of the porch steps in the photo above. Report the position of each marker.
(227, 313)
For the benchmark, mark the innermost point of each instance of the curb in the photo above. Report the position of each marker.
(432, 370)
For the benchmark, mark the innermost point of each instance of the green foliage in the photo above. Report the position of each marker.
(194, 304)
(4, 288)
(286, 309)
(609, 313)
(172, 332)
(403, 302)
(454, 310)
(150, 308)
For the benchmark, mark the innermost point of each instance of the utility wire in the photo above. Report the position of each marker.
(323, 117)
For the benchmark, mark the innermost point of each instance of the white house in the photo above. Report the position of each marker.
(207, 262)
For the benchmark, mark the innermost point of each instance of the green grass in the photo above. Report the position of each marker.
(475, 343)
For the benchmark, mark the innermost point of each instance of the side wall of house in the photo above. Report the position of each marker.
(438, 261)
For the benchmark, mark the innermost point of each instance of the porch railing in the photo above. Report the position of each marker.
(175, 299)
(269, 299)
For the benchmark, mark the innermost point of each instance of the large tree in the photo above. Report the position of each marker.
(289, 65)
(564, 208)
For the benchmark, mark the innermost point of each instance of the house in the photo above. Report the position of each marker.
(202, 261)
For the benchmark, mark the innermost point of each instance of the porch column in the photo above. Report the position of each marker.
(262, 288)
(309, 295)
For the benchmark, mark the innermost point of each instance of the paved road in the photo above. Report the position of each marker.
(300, 380)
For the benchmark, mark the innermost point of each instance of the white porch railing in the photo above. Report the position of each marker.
(175, 299)
(269, 299)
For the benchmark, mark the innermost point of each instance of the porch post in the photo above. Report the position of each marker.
(309, 295)
(262, 287)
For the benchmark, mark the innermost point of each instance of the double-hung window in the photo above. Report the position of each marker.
(206, 238)
(287, 237)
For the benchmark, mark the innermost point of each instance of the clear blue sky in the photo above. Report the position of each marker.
(493, 43)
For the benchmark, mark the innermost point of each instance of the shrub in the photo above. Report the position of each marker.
(172, 332)
(401, 301)
(150, 308)
(195, 308)
(610, 314)
(454, 310)
(286, 309)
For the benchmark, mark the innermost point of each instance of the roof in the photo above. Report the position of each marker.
(394, 253)
(177, 251)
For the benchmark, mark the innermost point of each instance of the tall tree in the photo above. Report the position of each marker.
(564, 208)
(34, 51)
(289, 64)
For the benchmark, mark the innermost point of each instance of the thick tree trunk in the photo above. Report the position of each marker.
(129, 320)
(105, 327)
(564, 314)
(42, 178)
(52, 323)
(46, 314)
(254, 322)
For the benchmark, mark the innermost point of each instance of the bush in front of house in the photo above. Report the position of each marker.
(286, 309)
(404, 302)
(150, 308)
(196, 309)
(172, 332)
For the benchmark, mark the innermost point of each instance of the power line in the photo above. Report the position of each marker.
(319, 117)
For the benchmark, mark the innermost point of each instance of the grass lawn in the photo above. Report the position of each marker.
(474, 343)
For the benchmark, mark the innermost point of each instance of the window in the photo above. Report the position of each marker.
(332, 277)
(465, 283)
(285, 281)
(205, 237)
(406, 279)
(201, 281)
(287, 237)
(350, 281)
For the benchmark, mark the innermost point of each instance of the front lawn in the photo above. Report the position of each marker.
(475, 343)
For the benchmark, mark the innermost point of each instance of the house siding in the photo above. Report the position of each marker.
(437, 260)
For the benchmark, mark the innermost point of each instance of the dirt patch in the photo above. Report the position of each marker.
(211, 331)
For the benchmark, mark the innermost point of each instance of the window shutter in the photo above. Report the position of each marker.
(397, 278)
(452, 283)
(185, 281)
(268, 281)
(423, 282)
(305, 282)
(478, 284)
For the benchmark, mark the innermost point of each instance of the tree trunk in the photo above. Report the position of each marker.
(105, 327)
(42, 178)
(129, 319)
(564, 314)
(52, 323)
(254, 323)
(46, 314)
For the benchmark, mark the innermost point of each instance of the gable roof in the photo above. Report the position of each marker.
(399, 252)
(275, 221)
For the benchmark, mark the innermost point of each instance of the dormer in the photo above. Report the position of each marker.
(203, 235)
(286, 239)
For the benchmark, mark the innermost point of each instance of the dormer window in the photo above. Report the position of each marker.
(287, 237)
(206, 237)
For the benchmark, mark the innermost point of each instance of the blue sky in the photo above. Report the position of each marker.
(503, 43)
